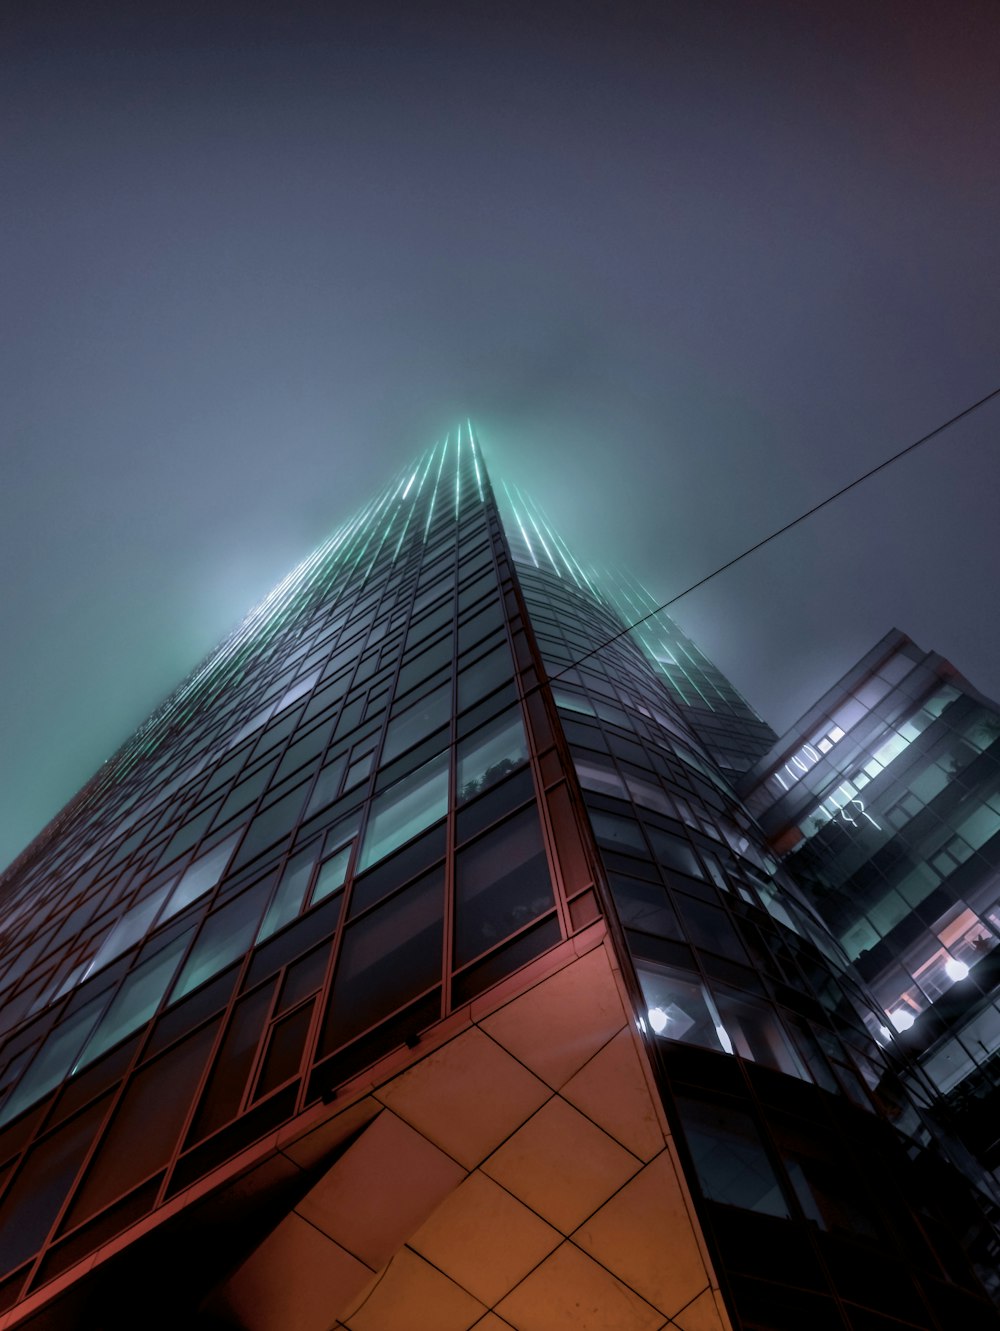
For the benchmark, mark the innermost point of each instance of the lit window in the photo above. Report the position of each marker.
(405, 809)
(200, 876)
(492, 752)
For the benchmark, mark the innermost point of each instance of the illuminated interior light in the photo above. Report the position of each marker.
(658, 1019)
(824, 746)
(836, 734)
(724, 1039)
(902, 1018)
(955, 969)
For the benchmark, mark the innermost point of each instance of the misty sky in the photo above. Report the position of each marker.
(688, 266)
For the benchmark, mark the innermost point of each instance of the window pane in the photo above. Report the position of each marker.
(224, 936)
(485, 675)
(146, 1125)
(674, 853)
(418, 721)
(284, 1050)
(678, 1007)
(491, 754)
(34, 1198)
(327, 784)
(200, 876)
(332, 874)
(129, 929)
(55, 1057)
(501, 883)
(290, 894)
(406, 809)
(730, 1159)
(644, 906)
(390, 955)
(756, 1033)
(137, 999)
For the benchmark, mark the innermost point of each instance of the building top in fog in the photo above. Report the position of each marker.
(427, 889)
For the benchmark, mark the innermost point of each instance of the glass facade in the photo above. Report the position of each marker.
(429, 768)
(885, 801)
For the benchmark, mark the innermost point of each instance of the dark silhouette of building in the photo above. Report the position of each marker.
(417, 964)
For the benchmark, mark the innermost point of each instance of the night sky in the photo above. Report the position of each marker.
(688, 267)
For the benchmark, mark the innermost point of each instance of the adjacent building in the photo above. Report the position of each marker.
(885, 802)
(438, 955)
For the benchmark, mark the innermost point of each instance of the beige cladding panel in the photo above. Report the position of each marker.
(519, 1176)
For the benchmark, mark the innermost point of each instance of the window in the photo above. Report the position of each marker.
(327, 784)
(403, 810)
(130, 928)
(298, 690)
(756, 1033)
(332, 873)
(56, 1056)
(290, 894)
(490, 754)
(137, 999)
(200, 876)
(501, 883)
(417, 721)
(224, 936)
(389, 955)
(729, 1157)
(679, 1007)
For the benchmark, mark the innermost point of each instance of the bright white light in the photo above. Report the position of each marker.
(955, 969)
(836, 734)
(658, 1019)
(885, 1032)
(902, 1019)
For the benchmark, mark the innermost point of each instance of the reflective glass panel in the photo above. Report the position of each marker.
(406, 809)
(490, 754)
(501, 883)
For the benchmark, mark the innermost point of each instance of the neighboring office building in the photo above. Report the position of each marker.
(885, 799)
(376, 973)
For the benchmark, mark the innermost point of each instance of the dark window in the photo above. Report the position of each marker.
(729, 1157)
(37, 1193)
(502, 882)
(388, 956)
(146, 1125)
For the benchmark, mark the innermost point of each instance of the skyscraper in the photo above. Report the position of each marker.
(417, 964)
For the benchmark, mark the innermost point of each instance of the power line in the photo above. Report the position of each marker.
(780, 531)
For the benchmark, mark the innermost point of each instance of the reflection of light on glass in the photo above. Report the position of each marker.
(902, 1019)
(885, 1032)
(955, 969)
(724, 1039)
(658, 1019)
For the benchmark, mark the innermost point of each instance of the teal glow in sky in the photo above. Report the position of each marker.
(689, 268)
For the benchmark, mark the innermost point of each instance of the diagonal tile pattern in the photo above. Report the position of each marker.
(562, 1022)
(381, 1190)
(413, 1296)
(485, 1239)
(561, 1165)
(570, 1292)
(702, 1314)
(466, 1097)
(515, 1180)
(612, 1090)
(644, 1234)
